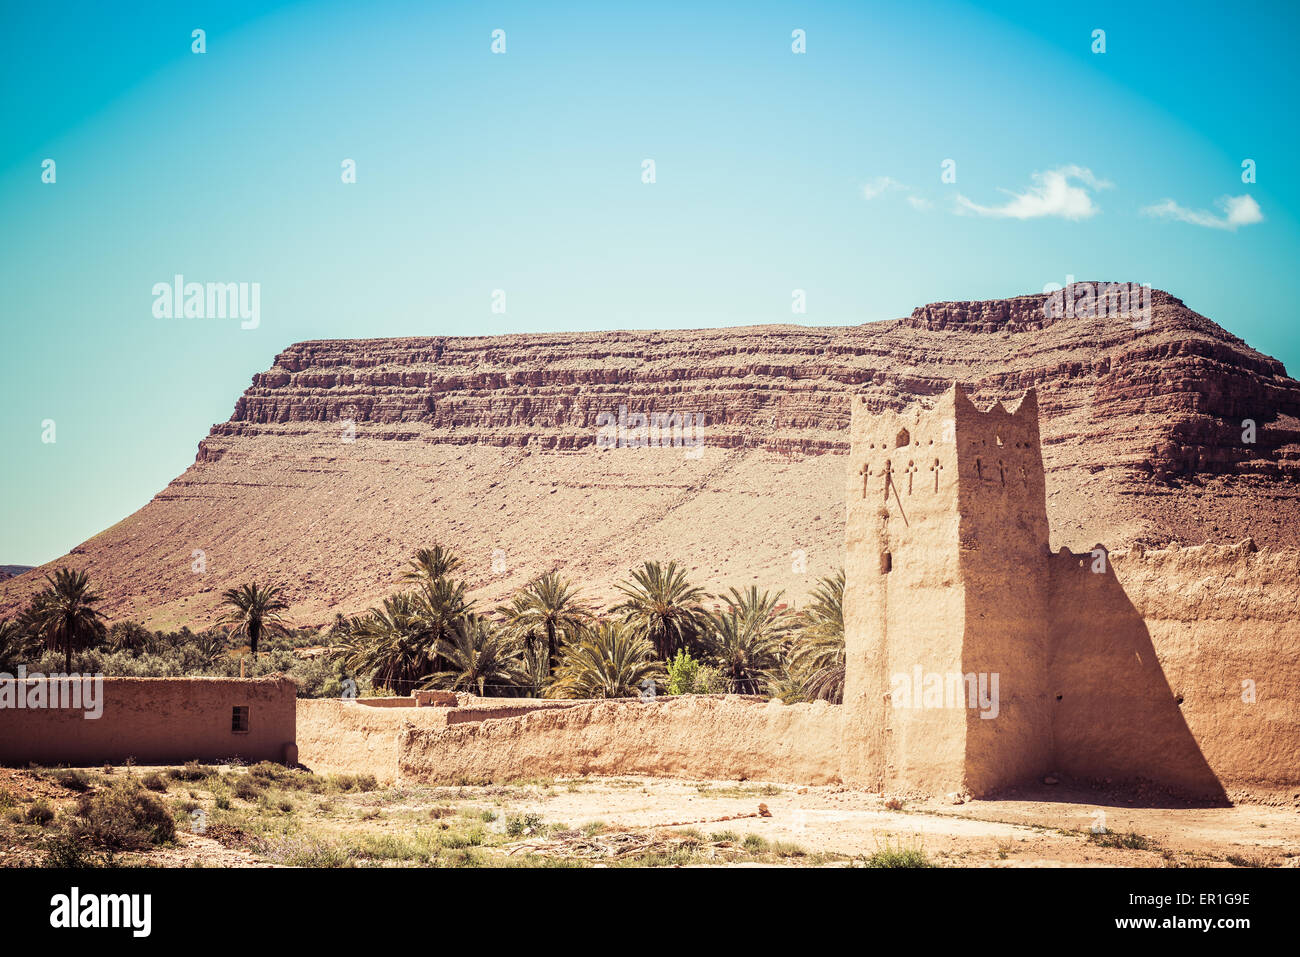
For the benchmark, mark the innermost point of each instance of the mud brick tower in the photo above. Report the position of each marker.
(948, 581)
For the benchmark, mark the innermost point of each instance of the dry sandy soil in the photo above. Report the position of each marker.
(301, 819)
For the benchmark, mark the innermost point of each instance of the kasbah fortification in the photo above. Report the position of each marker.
(977, 661)
(1012, 662)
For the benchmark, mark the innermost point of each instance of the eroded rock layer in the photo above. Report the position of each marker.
(492, 445)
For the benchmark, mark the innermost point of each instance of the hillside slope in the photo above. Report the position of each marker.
(490, 445)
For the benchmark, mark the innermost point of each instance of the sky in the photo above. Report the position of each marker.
(911, 153)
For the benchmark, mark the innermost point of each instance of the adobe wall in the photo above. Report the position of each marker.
(1003, 552)
(946, 571)
(699, 737)
(344, 737)
(912, 519)
(360, 736)
(156, 721)
(1149, 660)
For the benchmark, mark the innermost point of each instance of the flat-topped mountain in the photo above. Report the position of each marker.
(527, 452)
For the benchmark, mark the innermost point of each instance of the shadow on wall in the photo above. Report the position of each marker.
(1115, 716)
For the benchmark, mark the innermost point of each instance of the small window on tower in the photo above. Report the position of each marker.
(239, 720)
(902, 439)
(886, 563)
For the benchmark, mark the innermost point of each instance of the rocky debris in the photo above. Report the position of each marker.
(608, 846)
(618, 845)
(761, 812)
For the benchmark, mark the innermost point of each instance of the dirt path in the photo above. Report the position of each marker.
(590, 817)
(1022, 833)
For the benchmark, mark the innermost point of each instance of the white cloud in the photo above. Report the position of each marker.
(1237, 211)
(1062, 192)
(880, 185)
(887, 184)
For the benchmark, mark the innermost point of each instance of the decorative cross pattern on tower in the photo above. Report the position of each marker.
(910, 470)
(889, 478)
(865, 472)
(936, 468)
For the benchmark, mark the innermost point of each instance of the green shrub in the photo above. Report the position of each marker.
(39, 813)
(269, 771)
(64, 850)
(124, 817)
(898, 855)
(193, 771)
(517, 825)
(247, 788)
(709, 680)
(1130, 841)
(682, 673)
(154, 781)
(354, 782)
(72, 779)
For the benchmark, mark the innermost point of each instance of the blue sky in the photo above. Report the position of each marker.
(523, 172)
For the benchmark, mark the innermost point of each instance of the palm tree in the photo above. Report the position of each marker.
(254, 611)
(65, 614)
(210, 647)
(535, 667)
(130, 636)
(605, 660)
(745, 640)
(819, 651)
(15, 645)
(390, 644)
(440, 603)
(663, 606)
(480, 657)
(546, 606)
(431, 564)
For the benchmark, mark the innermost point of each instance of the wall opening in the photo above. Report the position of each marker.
(239, 719)
(886, 563)
(902, 439)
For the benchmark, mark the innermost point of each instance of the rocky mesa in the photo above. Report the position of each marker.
(346, 455)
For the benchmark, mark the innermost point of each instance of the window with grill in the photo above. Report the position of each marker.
(239, 720)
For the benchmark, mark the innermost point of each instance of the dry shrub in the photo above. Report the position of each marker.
(124, 817)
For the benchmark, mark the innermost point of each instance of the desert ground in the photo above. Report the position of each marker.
(269, 816)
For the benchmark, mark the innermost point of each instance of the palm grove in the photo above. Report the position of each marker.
(661, 635)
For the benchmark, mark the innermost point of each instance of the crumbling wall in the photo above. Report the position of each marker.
(343, 737)
(691, 736)
(338, 736)
(154, 721)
